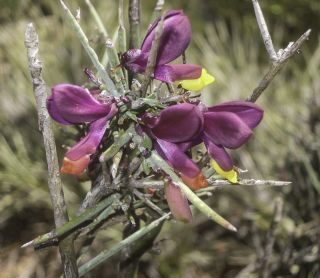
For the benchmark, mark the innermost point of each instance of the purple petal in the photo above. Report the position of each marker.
(73, 104)
(176, 158)
(177, 203)
(175, 38)
(181, 163)
(226, 129)
(135, 60)
(219, 154)
(89, 144)
(54, 111)
(172, 73)
(248, 112)
(178, 123)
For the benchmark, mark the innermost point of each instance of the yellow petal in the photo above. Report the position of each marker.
(231, 175)
(197, 84)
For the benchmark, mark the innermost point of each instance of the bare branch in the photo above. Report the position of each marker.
(246, 182)
(54, 181)
(150, 204)
(291, 49)
(278, 59)
(264, 31)
(157, 10)
(134, 22)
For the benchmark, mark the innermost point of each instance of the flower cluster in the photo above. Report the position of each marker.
(173, 130)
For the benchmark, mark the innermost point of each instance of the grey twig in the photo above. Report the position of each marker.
(152, 59)
(277, 215)
(264, 31)
(157, 10)
(246, 182)
(134, 22)
(150, 204)
(145, 183)
(278, 59)
(284, 55)
(54, 181)
(91, 53)
(104, 255)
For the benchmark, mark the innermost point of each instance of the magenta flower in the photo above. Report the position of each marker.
(174, 40)
(71, 104)
(228, 125)
(173, 137)
(181, 126)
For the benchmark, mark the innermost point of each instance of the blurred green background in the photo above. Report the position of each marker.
(227, 42)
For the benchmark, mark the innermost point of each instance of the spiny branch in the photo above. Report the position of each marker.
(278, 59)
(54, 181)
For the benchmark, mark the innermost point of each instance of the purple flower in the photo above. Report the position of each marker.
(181, 126)
(229, 125)
(173, 137)
(174, 40)
(71, 104)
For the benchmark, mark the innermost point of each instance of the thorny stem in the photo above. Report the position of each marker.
(244, 182)
(122, 140)
(284, 56)
(158, 162)
(157, 10)
(84, 218)
(104, 255)
(111, 52)
(54, 182)
(264, 31)
(278, 59)
(122, 37)
(134, 22)
(91, 53)
(148, 202)
(114, 63)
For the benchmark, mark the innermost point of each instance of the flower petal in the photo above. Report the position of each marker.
(74, 104)
(89, 144)
(75, 167)
(199, 83)
(54, 111)
(175, 38)
(178, 123)
(177, 203)
(195, 183)
(226, 129)
(176, 158)
(219, 154)
(182, 164)
(230, 175)
(135, 60)
(172, 73)
(248, 112)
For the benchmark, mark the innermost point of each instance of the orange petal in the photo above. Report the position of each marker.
(199, 181)
(76, 167)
